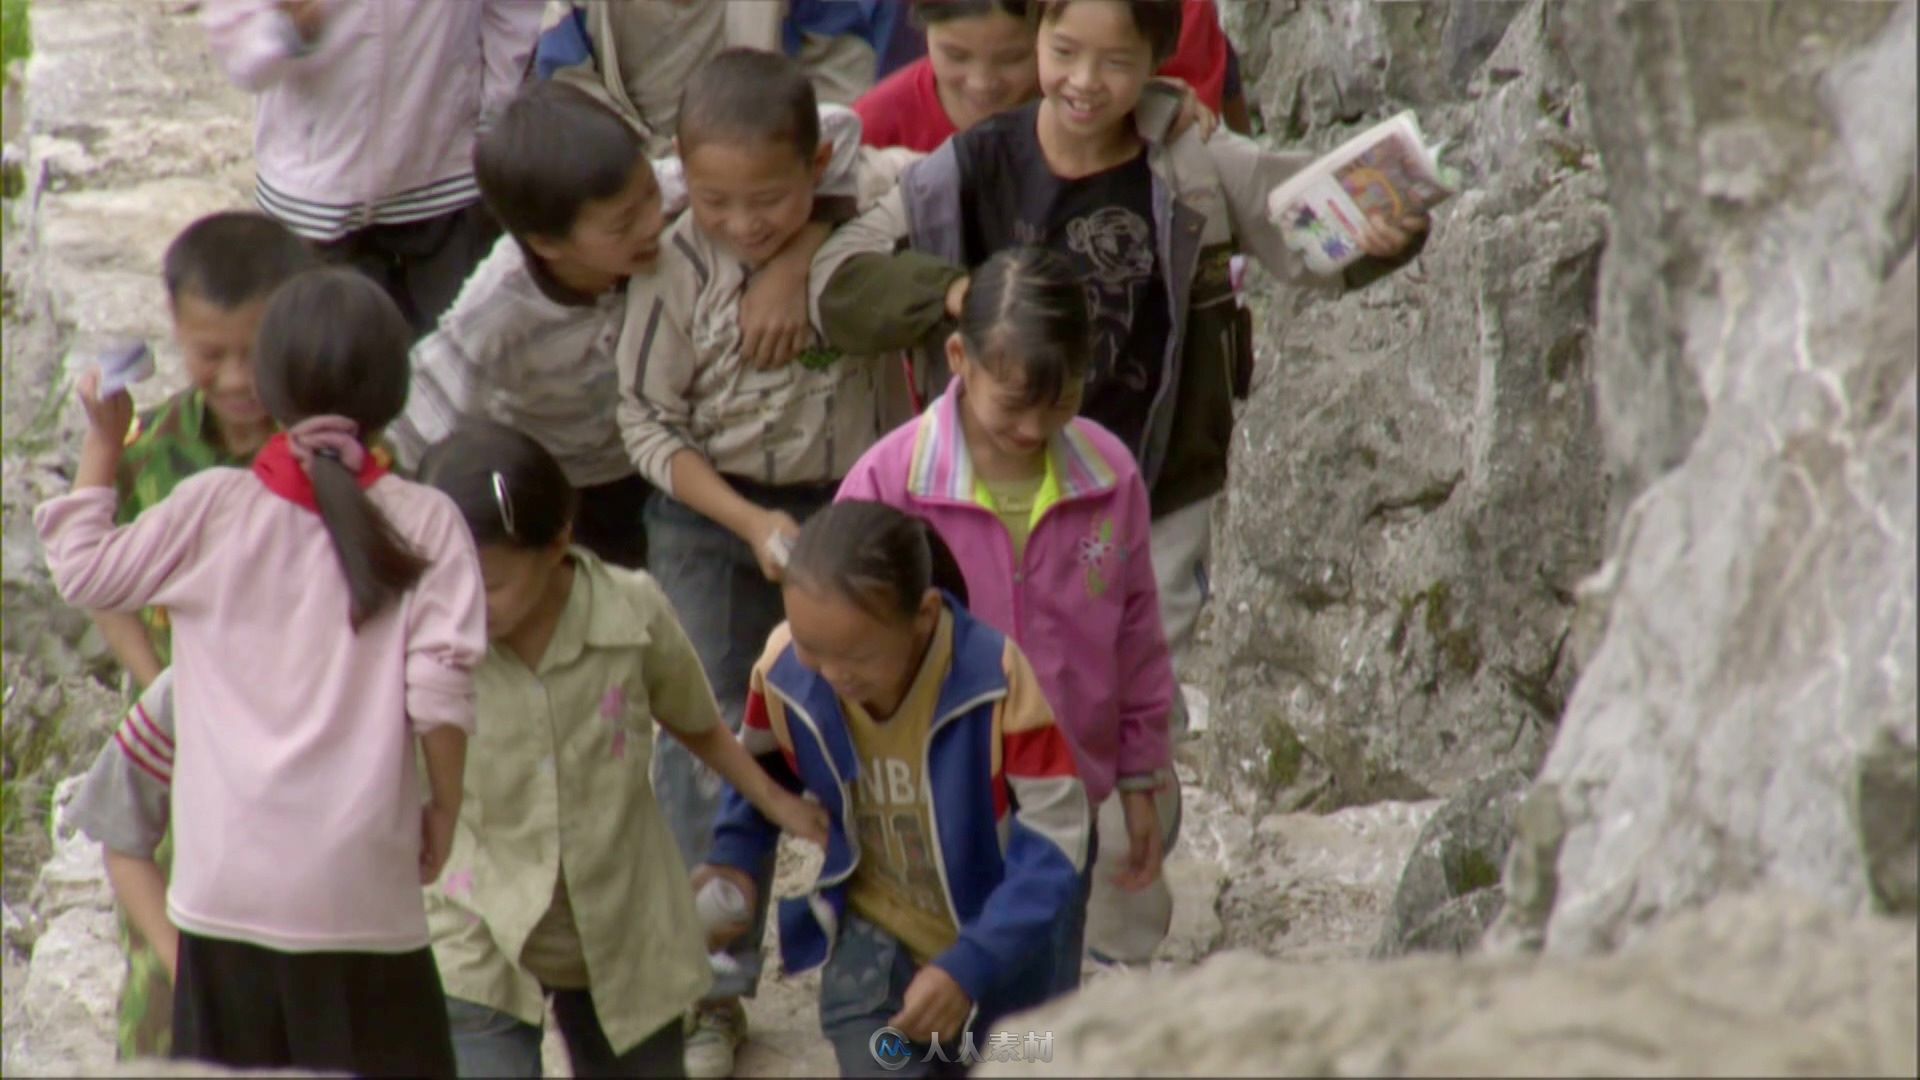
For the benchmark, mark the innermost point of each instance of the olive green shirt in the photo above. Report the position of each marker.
(557, 783)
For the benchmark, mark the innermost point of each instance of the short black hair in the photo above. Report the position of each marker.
(934, 12)
(552, 150)
(1157, 20)
(1026, 316)
(508, 487)
(748, 93)
(233, 258)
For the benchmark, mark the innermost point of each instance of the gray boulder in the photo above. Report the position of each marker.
(1450, 890)
(1417, 481)
(1758, 985)
(1748, 718)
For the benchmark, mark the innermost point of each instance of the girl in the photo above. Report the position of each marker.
(551, 891)
(957, 825)
(323, 613)
(1050, 519)
(979, 62)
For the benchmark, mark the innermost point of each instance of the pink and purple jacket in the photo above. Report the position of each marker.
(296, 799)
(1081, 603)
(373, 122)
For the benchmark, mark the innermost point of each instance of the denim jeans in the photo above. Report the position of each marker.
(862, 986)
(728, 609)
(491, 1043)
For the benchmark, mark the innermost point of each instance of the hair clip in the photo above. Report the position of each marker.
(504, 502)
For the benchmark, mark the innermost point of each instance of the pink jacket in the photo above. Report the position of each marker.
(374, 121)
(1081, 603)
(296, 801)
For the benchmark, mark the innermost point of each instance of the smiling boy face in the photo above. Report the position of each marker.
(752, 194)
(1094, 65)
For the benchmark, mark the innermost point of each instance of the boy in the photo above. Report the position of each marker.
(1090, 171)
(219, 272)
(738, 455)
(529, 342)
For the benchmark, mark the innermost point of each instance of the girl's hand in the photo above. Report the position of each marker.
(109, 419)
(773, 317)
(721, 936)
(774, 542)
(1143, 841)
(1383, 238)
(800, 817)
(1193, 111)
(436, 840)
(933, 1003)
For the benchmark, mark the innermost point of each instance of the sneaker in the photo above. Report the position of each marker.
(715, 1031)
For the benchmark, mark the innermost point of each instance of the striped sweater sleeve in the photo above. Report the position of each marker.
(123, 802)
(657, 362)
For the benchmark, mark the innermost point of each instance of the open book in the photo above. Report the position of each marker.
(1387, 169)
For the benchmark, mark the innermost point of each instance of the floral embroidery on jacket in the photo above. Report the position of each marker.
(1096, 551)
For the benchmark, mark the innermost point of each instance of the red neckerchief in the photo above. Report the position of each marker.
(277, 469)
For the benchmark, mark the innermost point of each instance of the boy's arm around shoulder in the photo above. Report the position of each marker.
(743, 838)
(1248, 173)
(1046, 845)
(870, 296)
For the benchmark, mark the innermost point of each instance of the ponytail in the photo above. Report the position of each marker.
(379, 564)
(331, 359)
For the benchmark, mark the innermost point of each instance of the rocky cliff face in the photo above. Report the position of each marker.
(1671, 320)
(1418, 483)
(1749, 716)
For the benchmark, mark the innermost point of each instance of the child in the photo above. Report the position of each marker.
(323, 613)
(957, 825)
(363, 135)
(218, 272)
(563, 880)
(1089, 171)
(739, 455)
(530, 340)
(977, 61)
(1049, 518)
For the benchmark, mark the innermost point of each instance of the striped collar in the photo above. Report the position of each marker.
(942, 468)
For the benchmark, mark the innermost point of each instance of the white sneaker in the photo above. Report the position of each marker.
(715, 1031)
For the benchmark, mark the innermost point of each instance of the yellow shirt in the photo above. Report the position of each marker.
(1016, 502)
(896, 885)
(557, 793)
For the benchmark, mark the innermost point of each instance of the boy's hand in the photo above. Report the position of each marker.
(1143, 841)
(169, 953)
(109, 419)
(773, 316)
(1192, 111)
(933, 1002)
(436, 839)
(957, 296)
(773, 542)
(720, 937)
(309, 17)
(800, 817)
(1383, 238)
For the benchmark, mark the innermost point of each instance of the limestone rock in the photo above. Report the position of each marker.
(1417, 483)
(72, 993)
(1450, 889)
(1759, 985)
(1759, 651)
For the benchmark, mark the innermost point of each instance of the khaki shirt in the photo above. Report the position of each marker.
(581, 725)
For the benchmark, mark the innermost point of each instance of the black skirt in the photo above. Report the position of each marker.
(370, 1014)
